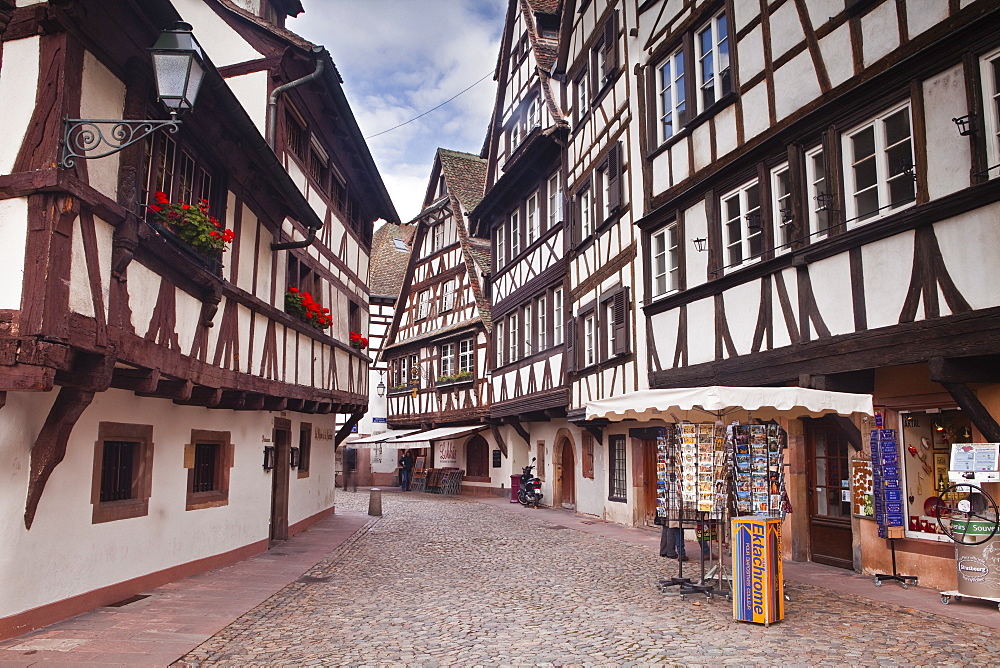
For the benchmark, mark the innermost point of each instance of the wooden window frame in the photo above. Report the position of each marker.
(224, 453)
(671, 255)
(541, 320)
(554, 200)
(558, 313)
(722, 77)
(819, 218)
(448, 290)
(423, 305)
(501, 246)
(742, 194)
(528, 335)
(305, 449)
(617, 468)
(991, 111)
(501, 343)
(782, 225)
(678, 111)
(614, 329)
(587, 458)
(142, 472)
(469, 354)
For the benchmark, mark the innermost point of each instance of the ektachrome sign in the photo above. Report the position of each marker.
(758, 594)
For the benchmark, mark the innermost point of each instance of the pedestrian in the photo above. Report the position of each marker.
(405, 470)
(672, 541)
(351, 469)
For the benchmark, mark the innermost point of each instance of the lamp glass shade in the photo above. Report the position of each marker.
(179, 67)
(380, 389)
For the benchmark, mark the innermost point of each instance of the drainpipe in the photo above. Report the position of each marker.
(272, 126)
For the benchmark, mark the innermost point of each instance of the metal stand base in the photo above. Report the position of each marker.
(905, 580)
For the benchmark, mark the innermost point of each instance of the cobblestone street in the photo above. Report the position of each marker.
(440, 580)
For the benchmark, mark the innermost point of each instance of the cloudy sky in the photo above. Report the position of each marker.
(400, 58)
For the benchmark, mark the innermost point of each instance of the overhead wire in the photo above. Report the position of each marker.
(434, 109)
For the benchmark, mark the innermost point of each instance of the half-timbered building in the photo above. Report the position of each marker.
(168, 408)
(438, 344)
(522, 212)
(821, 188)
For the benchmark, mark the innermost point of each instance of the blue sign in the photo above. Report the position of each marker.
(379, 420)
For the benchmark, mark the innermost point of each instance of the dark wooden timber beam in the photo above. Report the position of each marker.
(519, 428)
(984, 369)
(202, 395)
(596, 432)
(50, 446)
(177, 390)
(495, 430)
(973, 407)
(275, 403)
(140, 381)
(232, 399)
(345, 431)
(862, 382)
(850, 430)
(3, 399)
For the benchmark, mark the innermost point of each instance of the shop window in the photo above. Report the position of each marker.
(665, 251)
(617, 490)
(305, 448)
(990, 71)
(477, 458)
(878, 167)
(208, 459)
(925, 451)
(742, 233)
(123, 471)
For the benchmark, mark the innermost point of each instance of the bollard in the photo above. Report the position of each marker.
(375, 502)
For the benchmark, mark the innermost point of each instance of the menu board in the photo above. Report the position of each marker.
(975, 457)
(758, 471)
(703, 465)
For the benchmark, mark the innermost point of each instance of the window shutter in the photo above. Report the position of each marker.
(189, 455)
(614, 170)
(569, 358)
(573, 221)
(610, 46)
(620, 325)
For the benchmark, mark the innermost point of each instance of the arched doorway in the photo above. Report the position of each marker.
(477, 458)
(567, 473)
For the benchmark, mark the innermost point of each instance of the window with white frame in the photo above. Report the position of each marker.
(818, 197)
(515, 233)
(533, 218)
(557, 317)
(499, 343)
(528, 338)
(532, 116)
(437, 237)
(582, 98)
(501, 246)
(589, 339)
(513, 332)
(466, 356)
(447, 366)
(990, 66)
(448, 295)
(423, 304)
(714, 77)
(671, 96)
(781, 208)
(666, 260)
(555, 200)
(541, 309)
(878, 166)
(585, 205)
(742, 233)
(604, 193)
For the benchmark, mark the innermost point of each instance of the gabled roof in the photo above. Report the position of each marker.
(388, 262)
(465, 175)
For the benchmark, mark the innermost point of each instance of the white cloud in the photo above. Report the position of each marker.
(400, 58)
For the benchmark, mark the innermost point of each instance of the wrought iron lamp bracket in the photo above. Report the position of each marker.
(81, 135)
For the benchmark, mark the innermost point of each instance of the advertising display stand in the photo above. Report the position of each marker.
(758, 590)
(887, 490)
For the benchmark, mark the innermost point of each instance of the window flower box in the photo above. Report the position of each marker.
(192, 224)
(301, 305)
(358, 342)
(460, 378)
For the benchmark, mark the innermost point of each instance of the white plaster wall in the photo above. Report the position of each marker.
(701, 145)
(18, 81)
(243, 316)
(80, 298)
(701, 331)
(795, 85)
(222, 44)
(251, 90)
(70, 555)
(922, 15)
(751, 50)
(144, 286)
(695, 227)
(102, 96)
(944, 99)
(264, 258)
(679, 160)
(831, 284)
(786, 30)
(836, 51)
(780, 327)
(13, 232)
(664, 327)
(314, 493)
(821, 11)
(249, 229)
(745, 12)
(887, 265)
(970, 247)
(725, 130)
(755, 114)
(742, 305)
(879, 32)
(188, 310)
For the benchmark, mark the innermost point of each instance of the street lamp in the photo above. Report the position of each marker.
(179, 69)
(380, 389)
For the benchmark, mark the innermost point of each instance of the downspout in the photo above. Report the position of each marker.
(272, 128)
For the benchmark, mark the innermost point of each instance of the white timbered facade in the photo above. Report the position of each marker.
(143, 383)
(817, 216)
(437, 351)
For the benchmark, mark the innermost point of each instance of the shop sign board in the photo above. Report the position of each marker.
(758, 592)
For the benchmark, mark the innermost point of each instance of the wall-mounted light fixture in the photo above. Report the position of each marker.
(910, 421)
(293, 458)
(179, 68)
(700, 244)
(966, 124)
(786, 216)
(825, 201)
(268, 457)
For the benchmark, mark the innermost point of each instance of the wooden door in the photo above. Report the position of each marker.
(568, 473)
(648, 481)
(830, 538)
(282, 438)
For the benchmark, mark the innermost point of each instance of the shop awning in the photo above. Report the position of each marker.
(385, 438)
(696, 404)
(439, 434)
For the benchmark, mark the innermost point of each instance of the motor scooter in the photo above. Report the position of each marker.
(529, 492)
